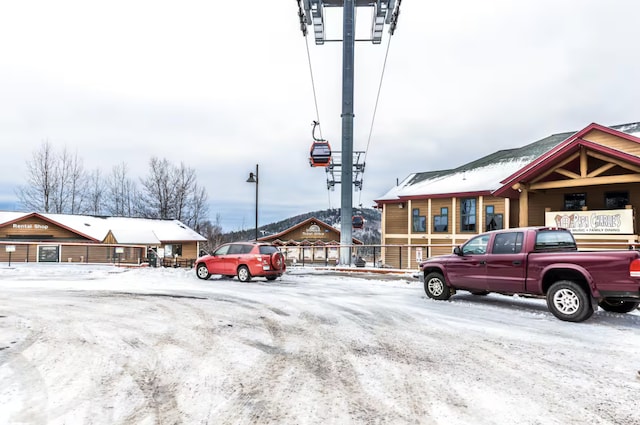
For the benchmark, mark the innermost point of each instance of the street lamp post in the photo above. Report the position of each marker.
(253, 178)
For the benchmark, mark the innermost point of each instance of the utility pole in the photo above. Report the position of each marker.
(384, 12)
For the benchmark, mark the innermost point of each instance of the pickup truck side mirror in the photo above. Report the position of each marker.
(457, 251)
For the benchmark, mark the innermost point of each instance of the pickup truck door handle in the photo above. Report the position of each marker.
(482, 263)
(516, 263)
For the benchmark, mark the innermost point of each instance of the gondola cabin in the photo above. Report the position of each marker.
(357, 221)
(320, 154)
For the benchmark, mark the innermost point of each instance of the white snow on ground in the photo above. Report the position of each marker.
(86, 344)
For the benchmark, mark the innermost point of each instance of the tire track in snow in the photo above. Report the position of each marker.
(26, 386)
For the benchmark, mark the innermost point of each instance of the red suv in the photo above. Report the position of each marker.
(244, 259)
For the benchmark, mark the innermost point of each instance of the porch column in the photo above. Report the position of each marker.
(524, 207)
(429, 220)
(507, 213)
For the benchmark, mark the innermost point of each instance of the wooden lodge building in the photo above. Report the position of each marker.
(35, 237)
(310, 241)
(587, 181)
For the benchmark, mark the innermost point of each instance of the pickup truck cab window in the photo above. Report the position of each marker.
(477, 245)
(550, 240)
(507, 243)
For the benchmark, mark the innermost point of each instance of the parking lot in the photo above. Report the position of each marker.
(99, 345)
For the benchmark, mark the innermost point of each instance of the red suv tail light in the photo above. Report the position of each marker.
(634, 268)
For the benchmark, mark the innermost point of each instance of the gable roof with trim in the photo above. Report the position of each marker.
(309, 221)
(9, 217)
(485, 176)
(125, 230)
(570, 146)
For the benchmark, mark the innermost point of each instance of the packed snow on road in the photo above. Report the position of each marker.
(87, 344)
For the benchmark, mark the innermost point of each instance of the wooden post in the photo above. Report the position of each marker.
(524, 207)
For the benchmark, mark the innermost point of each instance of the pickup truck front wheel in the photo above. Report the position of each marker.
(568, 301)
(435, 286)
(616, 306)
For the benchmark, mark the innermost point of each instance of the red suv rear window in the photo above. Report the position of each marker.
(267, 249)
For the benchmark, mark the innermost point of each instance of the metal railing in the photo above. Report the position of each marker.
(394, 256)
(85, 253)
(400, 256)
(391, 256)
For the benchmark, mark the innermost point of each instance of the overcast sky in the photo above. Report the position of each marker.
(222, 86)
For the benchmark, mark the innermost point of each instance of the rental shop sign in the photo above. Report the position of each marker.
(30, 226)
(592, 222)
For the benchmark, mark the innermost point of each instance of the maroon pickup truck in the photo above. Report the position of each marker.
(538, 261)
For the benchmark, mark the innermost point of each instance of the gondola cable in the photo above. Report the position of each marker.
(313, 84)
(375, 110)
(303, 27)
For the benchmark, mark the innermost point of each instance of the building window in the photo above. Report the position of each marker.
(441, 222)
(419, 221)
(616, 200)
(468, 215)
(575, 201)
(173, 250)
(493, 221)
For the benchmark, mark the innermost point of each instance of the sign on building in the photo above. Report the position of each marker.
(604, 222)
(48, 253)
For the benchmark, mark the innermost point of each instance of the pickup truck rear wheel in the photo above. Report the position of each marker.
(616, 306)
(435, 286)
(568, 301)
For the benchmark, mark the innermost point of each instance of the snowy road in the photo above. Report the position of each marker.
(89, 345)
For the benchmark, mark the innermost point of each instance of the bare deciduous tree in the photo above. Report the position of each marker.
(96, 193)
(55, 182)
(213, 233)
(59, 184)
(121, 192)
(199, 209)
(70, 192)
(172, 192)
(42, 180)
(78, 186)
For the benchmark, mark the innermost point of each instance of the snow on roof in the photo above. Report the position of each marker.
(8, 216)
(135, 236)
(161, 230)
(632, 128)
(478, 179)
(143, 231)
(484, 174)
(94, 227)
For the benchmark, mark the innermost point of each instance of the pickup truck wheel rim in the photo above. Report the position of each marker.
(436, 287)
(566, 301)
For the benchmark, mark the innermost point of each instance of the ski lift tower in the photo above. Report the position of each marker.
(384, 12)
